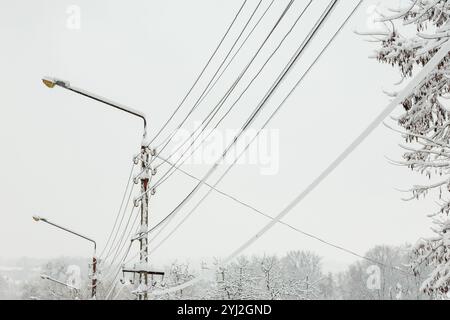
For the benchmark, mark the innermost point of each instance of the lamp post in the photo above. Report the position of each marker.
(52, 82)
(94, 258)
(145, 159)
(46, 277)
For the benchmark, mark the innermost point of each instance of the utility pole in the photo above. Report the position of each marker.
(142, 269)
(94, 277)
(145, 156)
(143, 240)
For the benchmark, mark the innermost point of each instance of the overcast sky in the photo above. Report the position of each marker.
(68, 158)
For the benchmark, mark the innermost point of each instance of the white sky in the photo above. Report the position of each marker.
(68, 158)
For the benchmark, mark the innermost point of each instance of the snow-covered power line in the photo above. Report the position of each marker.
(290, 3)
(261, 104)
(404, 94)
(167, 175)
(201, 73)
(113, 244)
(166, 141)
(265, 99)
(227, 94)
(214, 187)
(118, 212)
(261, 213)
(266, 123)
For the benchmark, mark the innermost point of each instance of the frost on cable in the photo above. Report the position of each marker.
(409, 38)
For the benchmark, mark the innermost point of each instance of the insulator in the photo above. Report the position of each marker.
(154, 172)
(153, 152)
(153, 192)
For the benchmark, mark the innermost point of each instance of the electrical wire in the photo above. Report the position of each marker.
(201, 73)
(418, 79)
(203, 96)
(167, 175)
(196, 104)
(187, 284)
(261, 105)
(113, 246)
(273, 114)
(119, 211)
(261, 213)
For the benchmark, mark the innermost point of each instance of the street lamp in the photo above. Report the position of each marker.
(52, 82)
(145, 155)
(94, 259)
(46, 277)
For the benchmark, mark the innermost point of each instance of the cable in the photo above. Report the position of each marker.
(121, 243)
(201, 73)
(214, 112)
(222, 73)
(274, 113)
(247, 87)
(274, 86)
(254, 209)
(263, 102)
(404, 94)
(170, 137)
(237, 52)
(113, 285)
(278, 218)
(120, 224)
(169, 173)
(118, 213)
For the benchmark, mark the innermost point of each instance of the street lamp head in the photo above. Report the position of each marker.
(44, 277)
(52, 82)
(38, 218)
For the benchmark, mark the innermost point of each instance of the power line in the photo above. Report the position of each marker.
(121, 242)
(414, 83)
(201, 73)
(262, 103)
(170, 172)
(437, 58)
(109, 252)
(216, 109)
(170, 137)
(294, 58)
(119, 211)
(273, 114)
(237, 51)
(152, 230)
(261, 213)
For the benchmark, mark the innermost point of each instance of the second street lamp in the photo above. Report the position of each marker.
(94, 258)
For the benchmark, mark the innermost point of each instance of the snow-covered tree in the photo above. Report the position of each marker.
(177, 274)
(389, 280)
(238, 281)
(273, 285)
(409, 39)
(302, 272)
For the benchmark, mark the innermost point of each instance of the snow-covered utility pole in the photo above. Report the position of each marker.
(143, 269)
(146, 172)
(143, 240)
